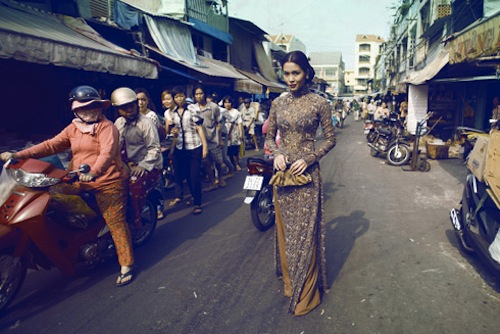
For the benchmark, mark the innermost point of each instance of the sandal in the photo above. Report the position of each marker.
(127, 278)
(174, 202)
(197, 210)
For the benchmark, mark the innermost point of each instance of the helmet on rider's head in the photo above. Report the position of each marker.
(122, 96)
(82, 96)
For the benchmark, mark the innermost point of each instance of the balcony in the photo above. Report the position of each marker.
(209, 12)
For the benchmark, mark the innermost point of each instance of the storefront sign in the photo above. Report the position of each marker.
(482, 40)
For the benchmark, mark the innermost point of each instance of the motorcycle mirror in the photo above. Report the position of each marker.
(84, 168)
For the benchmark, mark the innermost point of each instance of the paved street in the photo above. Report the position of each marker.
(393, 265)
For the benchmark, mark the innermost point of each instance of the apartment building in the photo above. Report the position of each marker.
(368, 48)
(330, 67)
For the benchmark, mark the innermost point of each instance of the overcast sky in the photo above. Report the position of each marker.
(322, 25)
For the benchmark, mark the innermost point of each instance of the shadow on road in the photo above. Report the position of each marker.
(342, 233)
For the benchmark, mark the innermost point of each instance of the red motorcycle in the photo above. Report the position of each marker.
(35, 233)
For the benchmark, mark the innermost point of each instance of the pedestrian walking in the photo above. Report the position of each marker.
(210, 113)
(191, 147)
(234, 132)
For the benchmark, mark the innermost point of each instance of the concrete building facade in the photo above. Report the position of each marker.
(367, 49)
(330, 67)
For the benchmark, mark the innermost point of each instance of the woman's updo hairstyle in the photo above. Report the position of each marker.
(299, 58)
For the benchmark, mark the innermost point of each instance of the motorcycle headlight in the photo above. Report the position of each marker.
(32, 180)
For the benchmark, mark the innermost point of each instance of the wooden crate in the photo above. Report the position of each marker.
(437, 151)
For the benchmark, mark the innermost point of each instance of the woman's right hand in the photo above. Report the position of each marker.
(6, 156)
(280, 162)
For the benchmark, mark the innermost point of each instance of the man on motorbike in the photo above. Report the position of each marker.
(140, 145)
(94, 140)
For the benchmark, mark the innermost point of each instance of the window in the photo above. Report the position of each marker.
(330, 72)
(364, 59)
(197, 40)
(364, 47)
(364, 71)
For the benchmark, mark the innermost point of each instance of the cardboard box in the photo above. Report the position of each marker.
(477, 157)
(492, 167)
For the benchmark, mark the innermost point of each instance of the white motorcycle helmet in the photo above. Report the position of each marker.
(122, 96)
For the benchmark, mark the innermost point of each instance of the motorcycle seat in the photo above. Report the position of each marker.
(267, 162)
(384, 131)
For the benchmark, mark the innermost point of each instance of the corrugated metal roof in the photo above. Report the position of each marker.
(32, 35)
(326, 58)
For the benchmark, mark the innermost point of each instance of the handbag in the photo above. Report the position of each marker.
(286, 178)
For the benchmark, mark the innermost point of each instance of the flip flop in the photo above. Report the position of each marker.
(127, 278)
(197, 210)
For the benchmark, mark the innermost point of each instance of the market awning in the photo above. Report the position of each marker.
(247, 86)
(431, 70)
(274, 87)
(38, 37)
(211, 31)
(216, 69)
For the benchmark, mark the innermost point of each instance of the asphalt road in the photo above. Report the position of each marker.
(393, 264)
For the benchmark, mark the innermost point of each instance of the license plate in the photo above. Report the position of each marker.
(455, 220)
(253, 182)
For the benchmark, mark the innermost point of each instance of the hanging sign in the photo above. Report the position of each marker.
(482, 40)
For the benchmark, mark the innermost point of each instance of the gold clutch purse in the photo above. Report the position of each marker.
(286, 178)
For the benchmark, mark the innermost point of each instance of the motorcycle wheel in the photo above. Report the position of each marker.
(398, 155)
(12, 275)
(373, 152)
(424, 166)
(149, 218)
(262, 209)
(463, 237)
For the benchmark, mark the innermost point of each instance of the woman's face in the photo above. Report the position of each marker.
(199, 95)
(384, 105)
(228, 105)
(143, 101)
(294, 76)
(90, 114)
(180, 99)
(167, 101)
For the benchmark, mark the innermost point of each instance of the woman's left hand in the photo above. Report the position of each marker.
(298, 167)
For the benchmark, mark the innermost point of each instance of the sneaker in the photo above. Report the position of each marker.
(160, 214)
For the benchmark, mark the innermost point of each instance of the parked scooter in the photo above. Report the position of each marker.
(390, 143)
(35, 233)
(476, 221)
(260, 193)
(390, 123)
